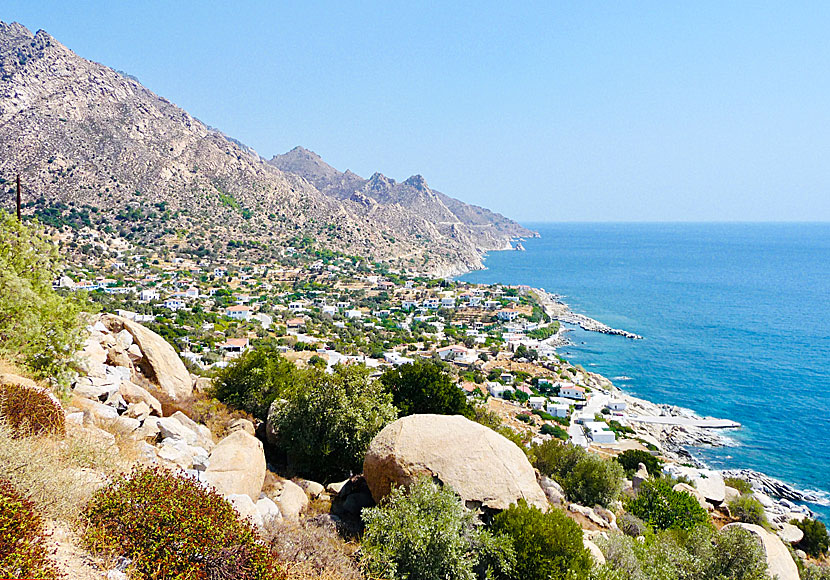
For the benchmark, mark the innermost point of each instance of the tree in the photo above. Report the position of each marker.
(426, 533)
(548, 545)
(632, 458)
(747, 509)
(38, 327)
(815, 541)
(663, 508)
(254, 380)
(326, 421)
(425, 387)
(594, 481)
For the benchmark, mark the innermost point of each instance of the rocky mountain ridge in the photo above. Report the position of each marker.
(85, 136)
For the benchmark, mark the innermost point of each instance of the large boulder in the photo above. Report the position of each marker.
(484, 468)
(160, 363)
(779, 561)
(237, 465)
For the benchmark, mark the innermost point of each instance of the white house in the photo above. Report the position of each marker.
(329, 309)
(432, 303)
(558, 409)
(507, 314)
(354, 314)
(64, 282)
(498, 390)
(148, 295)
(615, 405)
(192, 292)
(296, 306)
(238, 312)
(448, 302)
(396, 359)
(507, 378)
(600, 433)
(491, 304)
(457, 353)
(409, 304)
(537, 402)
(174, 303)
(234, 346)
(219, 272)
(572, 392)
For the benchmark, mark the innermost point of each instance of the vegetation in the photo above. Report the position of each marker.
(38, 327)
(747, 509)
(427, 534)
(23, 551)
(30, 410)
(327, 421)
(425, 387)
(741, 485)
(632, 458)
(815, 541)
(254, 380)
(555, 430)
(586, 478)
(701, 554)
(171, 526)
(663, 508)
(548, 545)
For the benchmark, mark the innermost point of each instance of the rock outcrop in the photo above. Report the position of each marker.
(779, 561)
(481, 466)
(237, 466)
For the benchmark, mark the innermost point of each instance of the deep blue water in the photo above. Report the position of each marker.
(736, 320)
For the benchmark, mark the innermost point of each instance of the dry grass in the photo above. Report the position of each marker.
(310, 551)
(203, 409)
(58, 475)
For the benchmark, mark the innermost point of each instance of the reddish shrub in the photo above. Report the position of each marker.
(172, 527)
(31, 410)
(23, 553)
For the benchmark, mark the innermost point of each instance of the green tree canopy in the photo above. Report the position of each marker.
(38, 327)
(663, 508)
(425, 386)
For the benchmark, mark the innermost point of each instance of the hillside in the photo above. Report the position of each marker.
(95, 146)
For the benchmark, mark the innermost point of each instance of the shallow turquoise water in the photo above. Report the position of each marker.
(736, 320)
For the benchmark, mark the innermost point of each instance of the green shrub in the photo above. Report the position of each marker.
(425, 386)
(30, 410)
(327, 422)
(548, 545)
(741, 485)
(663, 508)
(23, 553)
(555, 430)
(171, 526)
(586, 478)
(254, 380)
(544, 415)
(631, 525)
(632, 458)
(815, 541)
(813, 572)
(556, 459)
(38, 327)
(427, 534)
(747, 509)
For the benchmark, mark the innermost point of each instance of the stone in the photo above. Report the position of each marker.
(639, 477)
(596, 553)
(312, 488)
(242, 424)
(711, 486)
(124, 339)
(246, 507)
(268, 510)
(692, 491)
(160, 364)
(180, 426)
(553, 491)
(175, 455)
(149, 429)
(134, 352)
(730, 493)
(133, 393)
(98, 413)
(76, 418)
(790, 534)
(779, 561)
(292, 501)
(484, 468)
(138, 411)
(94, 392)
(125, 425)
(336, 487)
(237, 465)
(117, 357)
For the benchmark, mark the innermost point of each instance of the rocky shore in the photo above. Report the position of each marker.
(560, 311)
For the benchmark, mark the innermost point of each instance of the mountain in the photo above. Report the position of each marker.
(92, 142)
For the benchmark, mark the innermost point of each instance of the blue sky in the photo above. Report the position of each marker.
(548, 111)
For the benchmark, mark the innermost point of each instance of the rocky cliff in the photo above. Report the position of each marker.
(93, 141)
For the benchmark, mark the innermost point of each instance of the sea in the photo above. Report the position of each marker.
(735, 319)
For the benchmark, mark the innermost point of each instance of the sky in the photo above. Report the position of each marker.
(543, 111)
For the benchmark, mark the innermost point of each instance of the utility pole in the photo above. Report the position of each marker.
(18, 197)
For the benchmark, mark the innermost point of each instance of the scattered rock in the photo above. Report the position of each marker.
(312, 488)
(730, 493)
(484, 468)
(790, 534)
(246, 507)
(132, 393)
(237, 466)
(241, 424)
(292, 500)
(268, 510)
(336, 487)
(686, 488)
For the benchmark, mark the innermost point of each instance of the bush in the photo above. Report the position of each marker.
(171, 526)
(631, 525)
(424, 386)
(554, 430)
(23, 553)
(37, 326)
(813, 572)
(30, 410)
(427, 534)
(327, 422)
(307, 549)
(815, 541)
(663, 508)
(548, 545)
(741, 485)
(747, 509)
(556, 459)
(254, 380)
(632, 458)
(586, 479)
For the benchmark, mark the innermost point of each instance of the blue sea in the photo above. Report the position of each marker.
(735, 320)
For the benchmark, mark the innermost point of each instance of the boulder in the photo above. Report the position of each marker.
(711, 486)
(779, 561)
(552, 490)
(124, 339)
(140, 411)
(268, 510)
(639, 477)
(117, 357)
(730, 493)
(132, 393)
(292, 501)
(180, 426)
(790, 534)
(242, 424)
(237, 465)
(484, 468)
(336, 486)
(312, 488)
(686, 488)
(246, 507)
(596, 553)
(160, 364)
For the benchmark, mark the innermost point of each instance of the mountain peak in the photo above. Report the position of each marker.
(418, 182)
